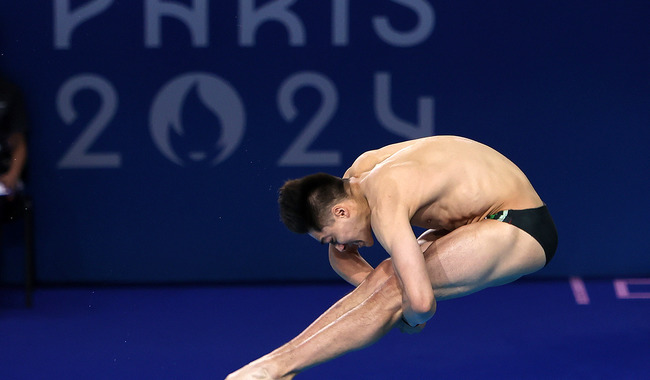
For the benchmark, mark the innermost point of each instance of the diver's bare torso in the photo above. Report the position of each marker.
(445, 181)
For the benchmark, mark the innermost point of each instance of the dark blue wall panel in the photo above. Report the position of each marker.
(161, 130)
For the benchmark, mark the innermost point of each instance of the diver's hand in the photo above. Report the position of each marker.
(408, 329)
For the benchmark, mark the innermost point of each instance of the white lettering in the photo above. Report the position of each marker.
(66, 20)
(78, 156)
(298, 153)
(251, 19)
(195, 18)
(340, 22)
(393, 123)
(422, 31)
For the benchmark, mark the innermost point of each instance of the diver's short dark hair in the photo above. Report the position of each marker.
(305, 202)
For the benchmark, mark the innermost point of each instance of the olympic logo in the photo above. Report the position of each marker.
(217, 96)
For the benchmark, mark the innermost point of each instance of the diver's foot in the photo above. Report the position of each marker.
(257, 371)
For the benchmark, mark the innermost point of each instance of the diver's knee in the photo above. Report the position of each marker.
(383, 281)
(379, 275)
(383, 272)
(386, 267)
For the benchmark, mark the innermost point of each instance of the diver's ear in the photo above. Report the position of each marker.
(341, 211)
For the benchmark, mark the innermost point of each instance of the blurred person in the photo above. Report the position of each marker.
(13, 146)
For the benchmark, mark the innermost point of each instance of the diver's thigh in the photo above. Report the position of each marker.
(429, 236)
(479, 255)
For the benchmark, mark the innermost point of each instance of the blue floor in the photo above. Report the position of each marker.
(525, 330)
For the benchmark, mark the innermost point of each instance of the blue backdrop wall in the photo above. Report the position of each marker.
(162, 129)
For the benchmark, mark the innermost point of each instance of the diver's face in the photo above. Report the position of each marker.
(345, 231)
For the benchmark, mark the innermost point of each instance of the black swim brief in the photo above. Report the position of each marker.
(537, 222)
